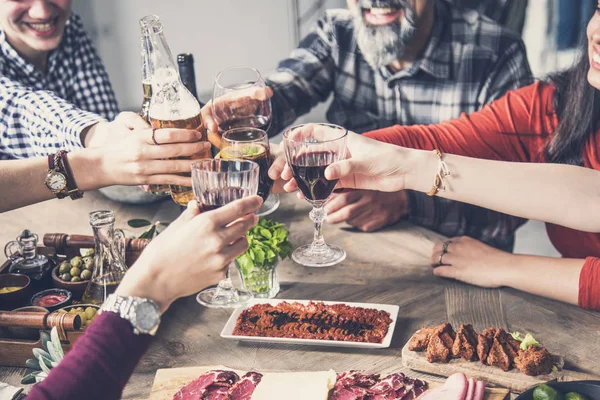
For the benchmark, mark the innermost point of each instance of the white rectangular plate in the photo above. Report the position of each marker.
(227, 331)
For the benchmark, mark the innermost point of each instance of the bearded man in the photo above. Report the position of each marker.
(404, 62)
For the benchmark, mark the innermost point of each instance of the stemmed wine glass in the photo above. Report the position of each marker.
(240, 101)
(309, 149)
(217, 183)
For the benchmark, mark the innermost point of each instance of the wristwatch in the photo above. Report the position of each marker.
(56, 180)
(143, 314)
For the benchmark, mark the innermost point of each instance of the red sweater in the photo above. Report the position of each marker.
(514, 128)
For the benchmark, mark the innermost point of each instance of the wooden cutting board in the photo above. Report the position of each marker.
(167, 382)
(514, 380)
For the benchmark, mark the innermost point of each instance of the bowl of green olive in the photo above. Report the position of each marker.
(87, 312)
(74, 274)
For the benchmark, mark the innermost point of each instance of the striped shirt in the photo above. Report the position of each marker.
(468, 62)
(42, 112)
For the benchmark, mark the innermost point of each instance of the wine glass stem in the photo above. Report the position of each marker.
(226, 284)
(317, 215)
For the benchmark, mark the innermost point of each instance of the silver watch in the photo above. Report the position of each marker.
(143, 314)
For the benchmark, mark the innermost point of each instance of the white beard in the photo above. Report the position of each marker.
(382, 45)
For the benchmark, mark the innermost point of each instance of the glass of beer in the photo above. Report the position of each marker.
(240, 100)
(251, 144)
(217, 183)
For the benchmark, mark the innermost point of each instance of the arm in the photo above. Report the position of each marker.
(37, 122)
(131, 160)
(101, 362)
(305, 78)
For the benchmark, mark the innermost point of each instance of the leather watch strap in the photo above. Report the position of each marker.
(72, 189)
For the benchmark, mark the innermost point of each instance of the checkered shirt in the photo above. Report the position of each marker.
(44, 112)
(468, 62)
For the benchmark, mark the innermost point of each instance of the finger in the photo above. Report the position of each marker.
(277, 167)
(132, 120)
(348, 213)
(145, 188)
(341, 200)
(153, 152)
(160, 167)
(366, 222)
(163, 179)
(446, 271)
(239, 227)
(186, 216)
(437, 248)
(291, 186)
(287, 173)
(235, 249)
(447, 259)
(236, 209)
(344, 168)
(214, 138)
(172, 135)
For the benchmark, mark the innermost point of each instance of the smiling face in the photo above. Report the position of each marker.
(385, 29)
(593, 36)
(34, 27)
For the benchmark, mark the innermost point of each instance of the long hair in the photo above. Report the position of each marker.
(577, 105)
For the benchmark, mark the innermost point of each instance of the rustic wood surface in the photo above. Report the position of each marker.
(390, 267)
(168, 382)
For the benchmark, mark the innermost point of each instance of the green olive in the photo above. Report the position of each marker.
(90, 313)
(88, 262)
(76, 262)
(89, 252)
(75, 271)
(66, 277)
(65, 267)
(85, 274)
(75, 279)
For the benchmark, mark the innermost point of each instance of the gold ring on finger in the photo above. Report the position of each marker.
(441, 256)
(154, 138)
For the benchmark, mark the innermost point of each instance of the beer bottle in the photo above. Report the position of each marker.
(172, 105)
(147, 87)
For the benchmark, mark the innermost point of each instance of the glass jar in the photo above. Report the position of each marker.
(109, 258)
(262, 282)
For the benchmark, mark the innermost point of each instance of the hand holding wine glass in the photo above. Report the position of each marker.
(217, 183)
(309, 150)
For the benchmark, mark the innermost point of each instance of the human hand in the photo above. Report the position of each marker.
(231, 106)
(129, 156)
(471, 261)
(367, 210)
(192, 253)
(370, 165)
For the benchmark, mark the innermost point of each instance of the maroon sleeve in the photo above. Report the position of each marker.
(98, 366)
(589, 284)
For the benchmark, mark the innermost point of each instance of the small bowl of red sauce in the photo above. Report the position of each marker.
(52, 299)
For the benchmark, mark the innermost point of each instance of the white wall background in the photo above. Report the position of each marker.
(220, 33)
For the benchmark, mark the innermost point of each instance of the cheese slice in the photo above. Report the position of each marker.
(295, 386)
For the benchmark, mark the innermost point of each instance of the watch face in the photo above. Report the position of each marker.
(56, 181)
(147, 316)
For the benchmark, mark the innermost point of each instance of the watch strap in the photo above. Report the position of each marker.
(72, 189)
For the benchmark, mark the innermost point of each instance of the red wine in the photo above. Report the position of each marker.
(216, 198)
(309, 171)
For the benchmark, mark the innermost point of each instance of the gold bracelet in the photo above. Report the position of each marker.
(438, 179)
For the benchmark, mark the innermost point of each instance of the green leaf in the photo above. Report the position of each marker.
(55, 347)
(37, 352)
(259, 257)
(138, 223)
(266, 233)
(149, 234)
(42, 362)
(30, 378)
(33, 364)
(45, 339)
(41, 376)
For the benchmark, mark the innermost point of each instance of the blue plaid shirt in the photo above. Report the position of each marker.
(468, 62)
(44, 112)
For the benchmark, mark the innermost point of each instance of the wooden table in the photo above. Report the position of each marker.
(390, 266)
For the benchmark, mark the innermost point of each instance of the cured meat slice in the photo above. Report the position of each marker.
(393, 382)
(470, 389)
(243, 389)
(479, 390)
(199, 387)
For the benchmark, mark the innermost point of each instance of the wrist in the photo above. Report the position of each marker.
(92, 136)
(88, 170)
(512, 270)
(145, 285)
(421, 169)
